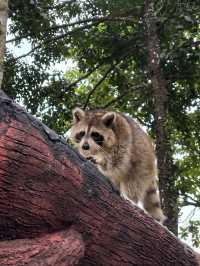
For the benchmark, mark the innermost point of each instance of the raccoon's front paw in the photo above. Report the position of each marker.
(92, 160)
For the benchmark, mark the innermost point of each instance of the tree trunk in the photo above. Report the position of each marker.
(46, 187)
(3, 23)
(168, 191)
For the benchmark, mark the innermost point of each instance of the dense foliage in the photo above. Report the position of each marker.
(106, 44)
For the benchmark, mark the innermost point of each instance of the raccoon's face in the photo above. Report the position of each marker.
(93, 135)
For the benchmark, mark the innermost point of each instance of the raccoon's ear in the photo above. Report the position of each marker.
(78, 114)
(109, 119)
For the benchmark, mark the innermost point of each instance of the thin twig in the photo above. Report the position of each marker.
(188, 203)
(60, 5)
(97, 85)
(136, 87)
(60, 26)
(98, 19)
(118, 60)
(83, 77)
(108, 59)
(17, 38)
(93, 20)
(55, 39)
(194, 201)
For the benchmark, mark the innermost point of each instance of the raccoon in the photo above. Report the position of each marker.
(122, 151)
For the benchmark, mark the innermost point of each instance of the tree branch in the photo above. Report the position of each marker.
(59, 26)
(189, 203)
(193, 202)
(95, 21)
(99, 20)
(55, 39)
(60, 5)
(84, 76)
(106, 74)
(97, 85)
(136, 87)
(97, 67)
(130, 88)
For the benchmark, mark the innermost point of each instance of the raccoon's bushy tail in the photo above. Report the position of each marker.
(152, 203)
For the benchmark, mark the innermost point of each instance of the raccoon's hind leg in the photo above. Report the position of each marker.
(129, 191)
(152, 203)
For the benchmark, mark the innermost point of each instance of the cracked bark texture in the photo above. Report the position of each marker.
(46, 187)
(167, 188)
(3, 23)
(63, 248)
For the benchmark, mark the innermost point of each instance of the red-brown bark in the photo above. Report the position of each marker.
(45, 187)
(63, 249)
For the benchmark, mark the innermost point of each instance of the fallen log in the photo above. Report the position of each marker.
(64, 249)
(46, 187)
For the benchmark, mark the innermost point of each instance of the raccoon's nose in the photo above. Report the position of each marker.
(85, 146)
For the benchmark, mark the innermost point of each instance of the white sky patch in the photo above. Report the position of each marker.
(188, 213)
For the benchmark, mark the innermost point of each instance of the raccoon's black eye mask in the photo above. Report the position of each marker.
(98, 138)
(79, 136)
